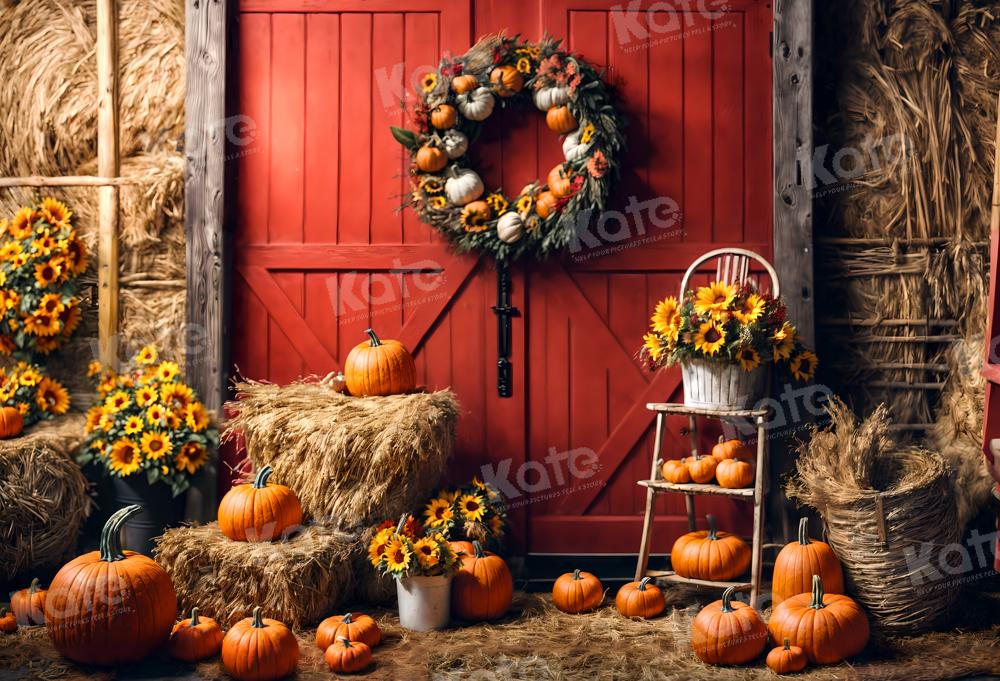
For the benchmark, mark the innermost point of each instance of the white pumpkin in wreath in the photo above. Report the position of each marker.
(548, 97)
(510, 227)
(455, 144)
(464, 186)
(476, 105)
(572, 149)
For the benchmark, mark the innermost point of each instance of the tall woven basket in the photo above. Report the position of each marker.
(720, 385)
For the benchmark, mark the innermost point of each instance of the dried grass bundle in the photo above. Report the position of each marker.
(884, 507)
(352, 461)
(297, 581)
(43, 497)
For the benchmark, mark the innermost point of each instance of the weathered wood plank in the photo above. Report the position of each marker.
(64, 181)
(108, 165)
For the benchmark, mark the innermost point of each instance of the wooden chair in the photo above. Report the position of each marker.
(733, 267)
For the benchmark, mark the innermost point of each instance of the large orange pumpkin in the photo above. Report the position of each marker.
(701, 468)
(787, 659)
(483, 588)
(110, 607)
(347, 657)
(353, 626)
(734, 473)
(11, 422)
(507, 80)
(713, 555)
(676, 471)
(561, 120)
(559, 182)
(640, 599)
(28, 604)
(576, 592)
(379, 367)
(195, 638)
(259, 649)
(444, 116)
(728, 632)
(259, 511)
(828, 627)
(798, 561)
(8, 623)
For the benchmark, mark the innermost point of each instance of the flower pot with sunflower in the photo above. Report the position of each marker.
(475, 512)
(424, 602)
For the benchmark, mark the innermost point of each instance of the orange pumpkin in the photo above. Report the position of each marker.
(798, 561)
(640, 599)
(431, 159)
(545, 204)
(460, 547)
(561, 120)
(8, 623)
(81, 624)
(701, 468)
(728, 632)
(347, 657)
(195, 638)
(11, 422)
(712, 555)
(444, 116)
(576, 592)
(787, 659)
(734, 473)
(28, 605)
(480, 208)
(259, 649)
(259, 511)
(828, 627)
(353, 626)
(675, 471)
(507, 80)
(559, 182)
(731, 449)
(379, 367)
(464, 83)
(483, 588)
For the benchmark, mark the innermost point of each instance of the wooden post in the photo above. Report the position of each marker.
(108, 165)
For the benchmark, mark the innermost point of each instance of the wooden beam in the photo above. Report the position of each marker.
(108, 165)
(64, 181)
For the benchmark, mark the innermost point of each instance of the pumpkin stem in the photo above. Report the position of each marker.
(263, 474)
(258, 619)
(478, 549)
(788, 643)
(375, 342)
(111, 540)
(727, 599)
(33, 589)
(643, 583)
(346, 619)
(817, 594)
(804, 532)
(722, 438)
(576, 575)
(3, 612)
(344, 641)
(194, 617)
(712, 530)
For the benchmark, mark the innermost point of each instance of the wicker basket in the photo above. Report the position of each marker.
(722, 386)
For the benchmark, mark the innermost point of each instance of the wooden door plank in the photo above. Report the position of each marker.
(386, 155)
(699, 145)
(322, 123)
(355, 129)
(727, 121)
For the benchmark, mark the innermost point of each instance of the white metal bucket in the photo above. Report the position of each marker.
(424, 602)
(720, 385)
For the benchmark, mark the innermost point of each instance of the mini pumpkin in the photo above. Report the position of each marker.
(640, 599)
(8, 623)
(454, 143)
(573, 148)
(195, 638)
(701, 468)
(510, 227)
(728, 632)
(259, 511)
(545, 204)
(464, 186)
(675, 471)
(828, 627)
(476, 105)
(379, 367)
(787, 659)
(507, 80)
(11, 422)
(730, 449)
(431, 159)
(547, 97)
(559, 182)
(561, 120)
(576, 592)
(483, 588)
(28, 605)
(353, 626)
(710, 554)
(798, 561)
(444, 116)
(259, 649)
(464, 83)
(734, 473)
(344, 656)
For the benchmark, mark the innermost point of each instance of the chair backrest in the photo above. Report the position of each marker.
(733, 267)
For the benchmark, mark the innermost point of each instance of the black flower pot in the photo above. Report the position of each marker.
(160, 510)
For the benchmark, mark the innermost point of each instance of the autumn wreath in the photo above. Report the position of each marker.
(460, 96)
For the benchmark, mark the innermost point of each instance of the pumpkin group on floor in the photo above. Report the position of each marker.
(731, 465)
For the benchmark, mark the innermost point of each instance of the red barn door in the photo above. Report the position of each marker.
(322, 253)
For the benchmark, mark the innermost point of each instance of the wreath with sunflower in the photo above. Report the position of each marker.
(458, 98)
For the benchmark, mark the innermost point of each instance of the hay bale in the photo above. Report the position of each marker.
(352, 461)
(43, 497)
(297, 581)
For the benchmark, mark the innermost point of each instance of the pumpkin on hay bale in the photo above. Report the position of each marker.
(351, 461)
(298, 580)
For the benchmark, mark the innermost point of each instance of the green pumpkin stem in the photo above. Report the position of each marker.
(643, 582)
(33, 589)
(576, 575)
(3, 612)
(260, 482)
(375, 342)
(804, 532)
(478, 549)
(344, 641)
(111, 540)
(817, 594)
(788, 643)
(194, 617)
(712, 529)
(257, 619)
(727, 599)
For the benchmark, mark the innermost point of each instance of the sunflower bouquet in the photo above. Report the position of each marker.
(726, 323)
(35, 395)
(148, 421)
(405, 549)
(41, 257)
(477, 511)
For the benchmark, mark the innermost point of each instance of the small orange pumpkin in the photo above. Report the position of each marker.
(459, 547)
(559, 182)
(545, 204)
(731, 449)
(640, 599)
(798, 561)
(379, 367)
(28, 605)
(507, 80)
(259, 649)
(701, 468)
(576, 592)
(11, 422)
(561, 120)
(728, 632)
(464, 83)
(676, 471)
(713, 555)
(787, 659)
(8, 623)
(347, 657)
(353, 626)
(483, 588)
(259, 511)
(431, 159)
(444, 116)
(735, 473)
(828, 627)
(195, 638)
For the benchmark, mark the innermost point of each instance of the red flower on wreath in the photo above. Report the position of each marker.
(597, 165)
(453, 69)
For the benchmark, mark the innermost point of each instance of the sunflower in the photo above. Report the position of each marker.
(750, 310)
(107, 420)
(748, 358)
(709, 338)
(431, 185)
(803, 365)
(156, 445)
(524, 65)
(70, 317)
(51, 303)
(714, 298)
(93, 418)
(24, 408)
(99, 446)
(524, 203)
(125, 457)
(654, 345)
(496, 526)
(784, 342)
(176, 396)
(397, 556)
(133, 425)
(429, 81)
(146, 356)
(52, 397)
(450, 495)
(93, 368)
(378, 545)
(428, 552)
(172, 420)
(438, 512)
(43, 245)
(76, 255)
(55, 212)
(167, 371)
(471, 506)
(41, 323)
(666, 317)
(30, 377)
(473, 220)
(437, 202)
(588, 133)
(118, 401)
(532, 223)
(498, 203)
(192, 456)
(46, 273)
(9, 250)
(196, 417)
(23, 223)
